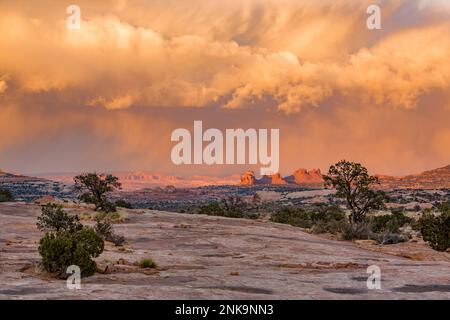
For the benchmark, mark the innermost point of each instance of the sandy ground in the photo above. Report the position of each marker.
(203, 257)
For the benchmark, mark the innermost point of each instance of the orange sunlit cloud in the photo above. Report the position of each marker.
(313, 69)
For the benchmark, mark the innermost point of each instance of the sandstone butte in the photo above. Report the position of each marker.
(300, 177)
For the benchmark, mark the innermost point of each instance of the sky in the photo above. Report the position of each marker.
(107, 96)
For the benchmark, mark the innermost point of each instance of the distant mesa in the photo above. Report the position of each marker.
(303, 176)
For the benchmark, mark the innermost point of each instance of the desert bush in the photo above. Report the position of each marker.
(104, 229)
(333, 220)
(63, 249)
(54, 219)
(321, 220)
(230, 207)
(294, 216)
(108, 206)
(356, 231)
(123, 204)
(211, 209)
(6, 195)
(388, 237)
(66, 242)
(390, 222)
(235, 207)
(327, 214)
(113, 217)
(147, 264)
(436, 229)
(331, 226)
(384, 229)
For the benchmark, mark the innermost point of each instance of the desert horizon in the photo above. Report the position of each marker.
(234, 173)
(135, 180)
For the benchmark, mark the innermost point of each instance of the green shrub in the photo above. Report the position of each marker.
(389, 238)
(54, 219)
(147, 264)
(294, 216)
(6, 195)
(436, 229)
(113, 216)
(356, 231)
(230, 207)
(124, 204)
(108, 206)
(63, 249)
(332, 226)
(321, 220)
(327, 214)
(211, 209)
(389, 223)
(331, 219)
(235, 207)
(103, 227)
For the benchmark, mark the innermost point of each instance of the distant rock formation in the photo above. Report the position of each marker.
(6, 177)
(303, 176)
(276, 179)
(248, 179)
(432, 179)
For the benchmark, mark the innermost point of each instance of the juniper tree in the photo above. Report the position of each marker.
(354, 184)
(94, 187)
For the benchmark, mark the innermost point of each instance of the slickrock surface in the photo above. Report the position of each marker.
(203, 257)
